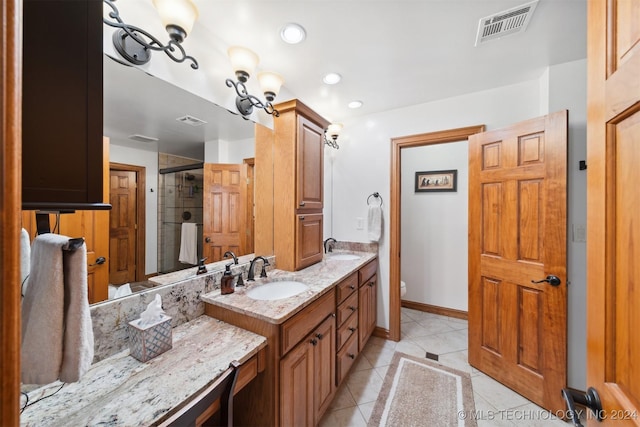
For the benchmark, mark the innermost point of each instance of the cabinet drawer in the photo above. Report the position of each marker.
(296, 328)
(347, 308)
(349, 328)
(346, 356)
(367, 271)
(347, 287)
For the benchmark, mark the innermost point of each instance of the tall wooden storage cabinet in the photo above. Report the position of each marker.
(298, 162)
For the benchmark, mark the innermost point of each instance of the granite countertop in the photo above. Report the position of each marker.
(319, 277)
(121, 391)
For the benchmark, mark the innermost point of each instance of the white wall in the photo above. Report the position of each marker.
(221, 151)
(148, 159)
(434, 228)
(568, 90)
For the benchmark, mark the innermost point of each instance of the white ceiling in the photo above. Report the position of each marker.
(390, 53)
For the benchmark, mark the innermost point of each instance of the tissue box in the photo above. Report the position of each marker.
(150, 341)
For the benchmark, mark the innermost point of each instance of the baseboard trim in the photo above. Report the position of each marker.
(381, 332)
(443, 311)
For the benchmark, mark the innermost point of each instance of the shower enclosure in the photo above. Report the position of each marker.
(179, 201)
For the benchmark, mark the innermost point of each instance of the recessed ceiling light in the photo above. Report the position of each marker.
(355, 104)
(293, 33)
(331, 78)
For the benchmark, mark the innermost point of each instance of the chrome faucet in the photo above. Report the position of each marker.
(231, 254)
(263, 273)
(327, 243)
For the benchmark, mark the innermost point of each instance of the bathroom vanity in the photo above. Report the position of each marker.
(313, 337)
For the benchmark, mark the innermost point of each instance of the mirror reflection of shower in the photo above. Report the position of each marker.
(180, 201)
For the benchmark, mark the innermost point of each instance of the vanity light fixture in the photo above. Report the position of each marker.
(244, 62)
(333, 131)
(135, 44)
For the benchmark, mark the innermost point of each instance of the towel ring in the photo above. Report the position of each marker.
(377, 196)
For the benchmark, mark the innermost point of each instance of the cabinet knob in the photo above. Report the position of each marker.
(351, 356)
(352, 308)
(352, 287)
(372, 284)
(314, 341)
(352, 329)
(302, 203)
(319, 336)
(301, 218)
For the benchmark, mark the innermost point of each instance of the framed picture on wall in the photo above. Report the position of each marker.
(436, 181)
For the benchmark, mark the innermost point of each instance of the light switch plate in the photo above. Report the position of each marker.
(359, 223)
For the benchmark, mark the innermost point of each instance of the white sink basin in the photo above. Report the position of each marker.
(343, 257)
(276, 290)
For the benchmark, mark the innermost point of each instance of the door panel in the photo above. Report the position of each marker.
(224, 229)
(517, 227)
(613, 229)
(122, 226)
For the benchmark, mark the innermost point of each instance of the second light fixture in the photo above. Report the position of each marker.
(244, 62)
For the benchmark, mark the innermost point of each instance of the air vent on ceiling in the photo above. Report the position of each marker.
(501, 24)
(142, 138)
(190, 120)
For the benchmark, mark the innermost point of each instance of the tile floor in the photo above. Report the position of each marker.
(446, 337)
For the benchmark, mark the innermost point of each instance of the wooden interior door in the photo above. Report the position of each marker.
(517, 235)
(92, 226)
(613, 227)
(224, 217)
(122, 226)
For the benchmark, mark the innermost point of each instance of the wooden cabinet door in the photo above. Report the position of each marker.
(613, 229)
(62, 101)
(324, 360)
(310, 165)
(296, 386)
(367, 309)
(309, 248)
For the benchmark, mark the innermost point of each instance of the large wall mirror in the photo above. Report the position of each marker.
(180, 139)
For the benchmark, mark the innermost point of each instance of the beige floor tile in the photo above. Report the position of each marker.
(487, 415)
(364, 385)
(342, 399)
(361, 364)
(457, 323)
(498, 395)
(409, 347)
(443, 343)
(426, 327)
(532, 415)
(457, 360)
(378, 356)
(347, 417)
(366, 409)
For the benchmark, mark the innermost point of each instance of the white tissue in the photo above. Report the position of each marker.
(153, 312)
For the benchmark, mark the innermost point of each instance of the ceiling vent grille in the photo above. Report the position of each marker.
(142, 138)
(501, 24)
(190, 120)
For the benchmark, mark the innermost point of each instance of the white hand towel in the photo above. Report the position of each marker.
(25, 257)
(188, 244)
(374, 222)
(57, 334)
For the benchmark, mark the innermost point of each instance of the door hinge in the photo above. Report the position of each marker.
(135, 226)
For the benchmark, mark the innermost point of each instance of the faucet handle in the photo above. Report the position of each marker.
(263, 273)
(240, 281)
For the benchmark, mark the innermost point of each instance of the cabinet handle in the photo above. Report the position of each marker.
(314, 341)
(352, 329)
(333, 315)
(301, 203)
(371, 284)
(352, 308)
(352, 287)
(351, 356)
(301, 218)
(319, 336)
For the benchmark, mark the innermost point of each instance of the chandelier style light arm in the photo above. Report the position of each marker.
(333, 143)
(139, 55)
(245, 101)
(331, 135)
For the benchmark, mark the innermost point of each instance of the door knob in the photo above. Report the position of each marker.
(207, 239)
(99, 261)
(552, 280)
(590, 399)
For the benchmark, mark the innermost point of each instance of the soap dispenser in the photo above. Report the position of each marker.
(226, 283)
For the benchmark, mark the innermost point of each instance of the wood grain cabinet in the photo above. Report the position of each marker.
(298, 185)
(367, 300)
(347, 323)
(62, 105)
